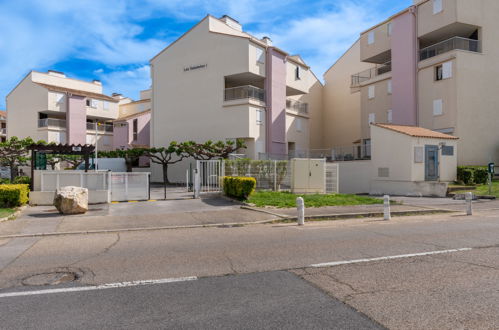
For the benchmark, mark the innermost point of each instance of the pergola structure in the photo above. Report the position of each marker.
(60, 149)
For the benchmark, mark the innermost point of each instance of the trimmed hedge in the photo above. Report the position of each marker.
(239, 187)
(472, 174)
(22, 180)
(13, 195)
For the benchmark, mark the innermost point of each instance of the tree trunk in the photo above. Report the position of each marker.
(129, 164)
(13, 172)
(165, 177)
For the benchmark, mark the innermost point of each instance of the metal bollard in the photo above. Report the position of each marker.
(300, 205)
(469, 203)
(386, 208)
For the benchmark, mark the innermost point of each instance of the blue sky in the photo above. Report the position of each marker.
(113, 40)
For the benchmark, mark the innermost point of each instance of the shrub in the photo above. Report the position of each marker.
(466, 175)
(481, 175)
(22, 180)
(239, 187)
(12, 195)
(4, 181)
(472, 174)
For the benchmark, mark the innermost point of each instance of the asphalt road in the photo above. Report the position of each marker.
(453, 290)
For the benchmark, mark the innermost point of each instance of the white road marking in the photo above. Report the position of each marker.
(98, 287)
(356, 261)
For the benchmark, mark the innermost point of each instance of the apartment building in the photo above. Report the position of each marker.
(217, 82)
(55, 108)
(432, 65)
(132, 128)
(3, 125)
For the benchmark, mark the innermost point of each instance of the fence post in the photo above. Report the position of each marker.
(469, 203)
(197, 183)
(275, 175)
(386, 208)
(300, 206)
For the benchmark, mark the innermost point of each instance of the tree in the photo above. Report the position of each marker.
(210, 150)
(166, 156)
(72, 160)
(131, 156)
(53, 160)
(14, 153)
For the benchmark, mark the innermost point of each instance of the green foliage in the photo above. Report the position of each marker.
(13, 195)
(286, 199)
(262, 170)
(211, 150)
(14, 153)
(239, 187)
(4, 181)
(472, 174)
(22, 180)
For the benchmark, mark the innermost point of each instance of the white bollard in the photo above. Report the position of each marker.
(300, 205)
(469, 203)
(386, 208)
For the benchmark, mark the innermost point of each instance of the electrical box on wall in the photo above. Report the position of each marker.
(308, 176)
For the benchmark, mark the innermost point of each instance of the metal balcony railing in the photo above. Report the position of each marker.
(3, 131)
(244, 92)
(298, 106)
(371, 73)
(449, 45)
(108, 128)
(51, 122)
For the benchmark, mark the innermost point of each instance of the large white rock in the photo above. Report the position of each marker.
(71, 200)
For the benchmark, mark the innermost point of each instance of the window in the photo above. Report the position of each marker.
(135, 129)
(260, 117)
(437, 6)
(447, 151)
(91, 103)
(260, 55)
(105, 105)
(297, 73)
(59, 97)
(299, 124)
(439, 73)
(372, 118)
(371, 92)
(389, 28)
(370, 38)
(389, 116)
(260, 146)
(443, 71)
(106, 140)
(437, 107)
(389, 86)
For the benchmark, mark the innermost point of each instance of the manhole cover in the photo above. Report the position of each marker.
(53, 278)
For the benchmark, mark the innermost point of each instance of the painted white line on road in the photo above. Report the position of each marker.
(98, 287)
(356, 261)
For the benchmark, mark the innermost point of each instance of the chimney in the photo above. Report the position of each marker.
(232, 23)
(56, 73)
(267, 41)
(97, 82)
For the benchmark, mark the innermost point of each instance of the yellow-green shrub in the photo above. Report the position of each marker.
(239, 187)
(12, 195)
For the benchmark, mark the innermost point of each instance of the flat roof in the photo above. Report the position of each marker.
(78, 92)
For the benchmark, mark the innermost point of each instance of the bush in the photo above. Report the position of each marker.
(239, 187)
(4, 181)
(13, 195)
(472, 174)
(22, 180)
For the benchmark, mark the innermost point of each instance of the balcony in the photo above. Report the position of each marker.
(3, 131)
(107, 128)
(359, 78)
(455, 43)
(51, 123)
(244, 92)
(297, 106)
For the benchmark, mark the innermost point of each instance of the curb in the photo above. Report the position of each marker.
(15, 214)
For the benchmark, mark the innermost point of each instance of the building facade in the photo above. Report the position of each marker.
(217, 82)
(3, 126)
(432, 65)
(55, 108)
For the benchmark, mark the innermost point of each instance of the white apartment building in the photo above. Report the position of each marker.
(217, 82)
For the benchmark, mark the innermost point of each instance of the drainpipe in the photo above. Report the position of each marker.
(414, 12)
(268, 96)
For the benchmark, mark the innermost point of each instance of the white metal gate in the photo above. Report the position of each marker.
(332, 178)
(129, 186)
(208, 176)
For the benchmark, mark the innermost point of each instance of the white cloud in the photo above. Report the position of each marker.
(126, 82)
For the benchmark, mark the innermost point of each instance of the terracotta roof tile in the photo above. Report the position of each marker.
(416, 131)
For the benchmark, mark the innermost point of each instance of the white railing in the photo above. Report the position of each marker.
(449, 45)
(51, 122)
(244, 92)
(101, 127)
(53, 180)
(126, 186)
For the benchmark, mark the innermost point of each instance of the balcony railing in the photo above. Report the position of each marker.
(51, 122)
(244, 92)
(108, 128)
(298, 106)
(3, 131)
(449, 45)
(371, 73)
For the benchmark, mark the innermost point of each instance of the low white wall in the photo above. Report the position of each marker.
(409, 188)
(46, 198)
(355, 177)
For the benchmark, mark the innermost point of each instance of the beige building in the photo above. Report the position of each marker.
(54, 108)
(217, 82)
(3, 126)
(432, 65)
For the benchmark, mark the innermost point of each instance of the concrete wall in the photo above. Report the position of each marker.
(76, 120)
(355, 177)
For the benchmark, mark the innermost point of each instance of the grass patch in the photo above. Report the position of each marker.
(5, 212)
(286, 199)
(483, 189)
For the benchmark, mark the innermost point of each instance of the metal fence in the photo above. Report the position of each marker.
(332, 178)
(449, 45)
(297, 106)
(269, 174)
(371, 73)
(53, 180)
(244, 92)
(51, 122)
(126, 186)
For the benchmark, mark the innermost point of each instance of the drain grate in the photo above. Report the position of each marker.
(52, 278)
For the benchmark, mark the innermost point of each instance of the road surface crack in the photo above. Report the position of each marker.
(106, 250)
(231, 264)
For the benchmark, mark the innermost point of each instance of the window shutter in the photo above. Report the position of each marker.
(389, 115)
(371, 92)
(390, 28)
(389, 86)
(260, 58)
(437, 6)
(370, 38)
(447, 70)
(372, 118)
(437, 107)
